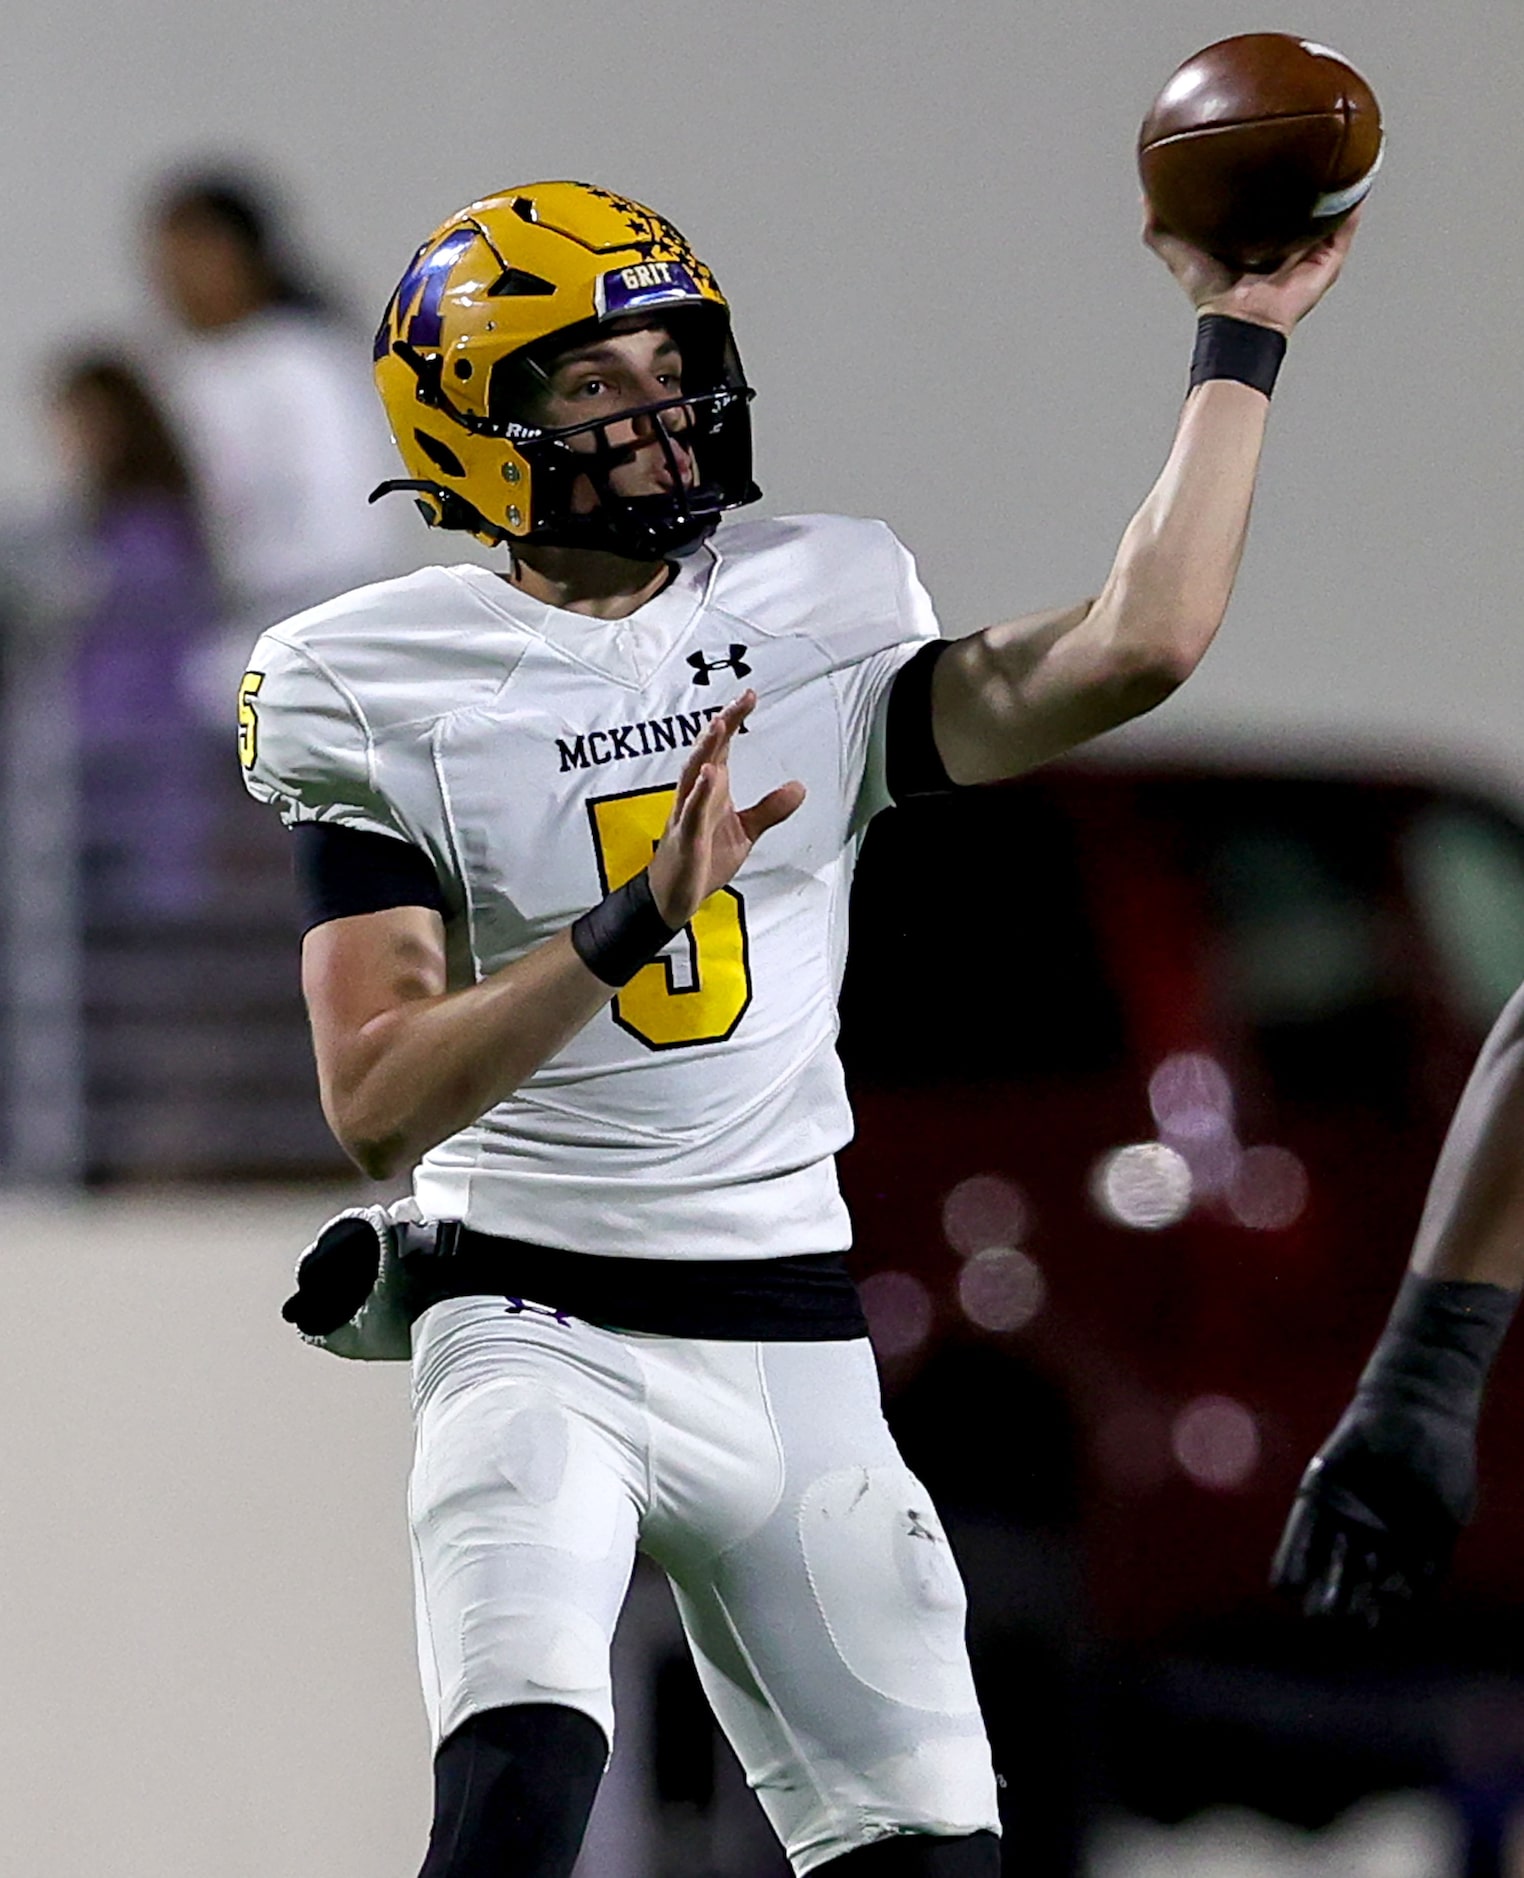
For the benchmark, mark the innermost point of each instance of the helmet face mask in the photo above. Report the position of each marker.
(465, 352)
(713, 440)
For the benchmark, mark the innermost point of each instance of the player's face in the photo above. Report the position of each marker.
(621, 371)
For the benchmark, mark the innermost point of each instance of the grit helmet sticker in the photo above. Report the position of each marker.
(646, 284)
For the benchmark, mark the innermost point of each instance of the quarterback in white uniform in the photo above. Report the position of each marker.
(550, 963)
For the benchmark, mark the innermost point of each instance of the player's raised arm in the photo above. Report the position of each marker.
(1382, 1503)
(1019, 694)
(403, 1063)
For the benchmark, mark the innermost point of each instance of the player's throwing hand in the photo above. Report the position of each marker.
(1276, 300)
(707, 837)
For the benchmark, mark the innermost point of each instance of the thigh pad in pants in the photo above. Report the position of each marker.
(829, 1631)
(527, 1474)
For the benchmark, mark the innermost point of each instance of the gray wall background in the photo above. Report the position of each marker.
(205, 1591)
(926, 218)
(206, 1608)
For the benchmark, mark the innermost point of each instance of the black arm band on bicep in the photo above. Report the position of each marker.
(623, 932)
(343, 871)
(913, 765)
(1238, 349)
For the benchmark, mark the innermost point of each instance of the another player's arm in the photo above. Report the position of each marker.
(404, 1063)
(1382, 1502)
(1019, 694)
(1472, 1228)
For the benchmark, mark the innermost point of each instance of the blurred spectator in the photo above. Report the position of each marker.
(147, 602)
(272, 396)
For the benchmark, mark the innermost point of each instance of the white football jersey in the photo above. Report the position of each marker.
(533, 754)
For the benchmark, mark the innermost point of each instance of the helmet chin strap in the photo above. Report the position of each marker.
(454, 510)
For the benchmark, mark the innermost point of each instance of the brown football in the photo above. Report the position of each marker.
(1259, 145)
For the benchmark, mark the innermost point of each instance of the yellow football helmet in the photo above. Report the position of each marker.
(488, 299)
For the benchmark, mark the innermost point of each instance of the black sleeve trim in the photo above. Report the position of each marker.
(343, 871)
(912, 763)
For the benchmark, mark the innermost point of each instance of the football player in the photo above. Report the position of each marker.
(1383, 1501)
(576, 839)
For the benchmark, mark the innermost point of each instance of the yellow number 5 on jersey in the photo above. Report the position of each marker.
(248, 722)
(653, 1005)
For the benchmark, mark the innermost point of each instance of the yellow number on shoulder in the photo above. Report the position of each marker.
(653, 1005)
(248, 721)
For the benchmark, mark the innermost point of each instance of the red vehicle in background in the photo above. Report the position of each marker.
(1150, 1068)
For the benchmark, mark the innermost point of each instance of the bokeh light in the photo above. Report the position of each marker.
(1269, 1189)
(1146, 1186)
(1192, 1101)
(1216, 1442)
(1190, 1094)
(985, 1210)
(1213, 1158)
(898, 1309)
(1001, 1288)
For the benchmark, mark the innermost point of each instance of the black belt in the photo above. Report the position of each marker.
(805, 1298)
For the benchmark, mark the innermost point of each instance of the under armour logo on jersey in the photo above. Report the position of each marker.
(702, 667)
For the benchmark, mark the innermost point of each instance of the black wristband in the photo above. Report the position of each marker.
(1438, 1345)
(1239, 349)
(624, 931)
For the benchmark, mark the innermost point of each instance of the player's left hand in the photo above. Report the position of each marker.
(1376, 1517)
(1278, 300)
(707, 837)
(355, 1283)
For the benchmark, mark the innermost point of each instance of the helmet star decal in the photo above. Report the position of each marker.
(655, 237)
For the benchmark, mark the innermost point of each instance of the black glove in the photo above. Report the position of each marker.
(1384, 1500)
(1370, 1530)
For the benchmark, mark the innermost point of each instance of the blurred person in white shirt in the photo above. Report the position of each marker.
(271, 393)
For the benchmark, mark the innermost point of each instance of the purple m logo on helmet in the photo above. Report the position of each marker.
(420, 293)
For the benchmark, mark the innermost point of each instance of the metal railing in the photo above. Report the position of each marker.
(144, 1035)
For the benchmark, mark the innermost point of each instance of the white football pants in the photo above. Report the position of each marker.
(813, 1578)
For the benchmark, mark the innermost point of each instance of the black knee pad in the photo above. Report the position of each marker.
(512, 1791)
(920, 1855)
